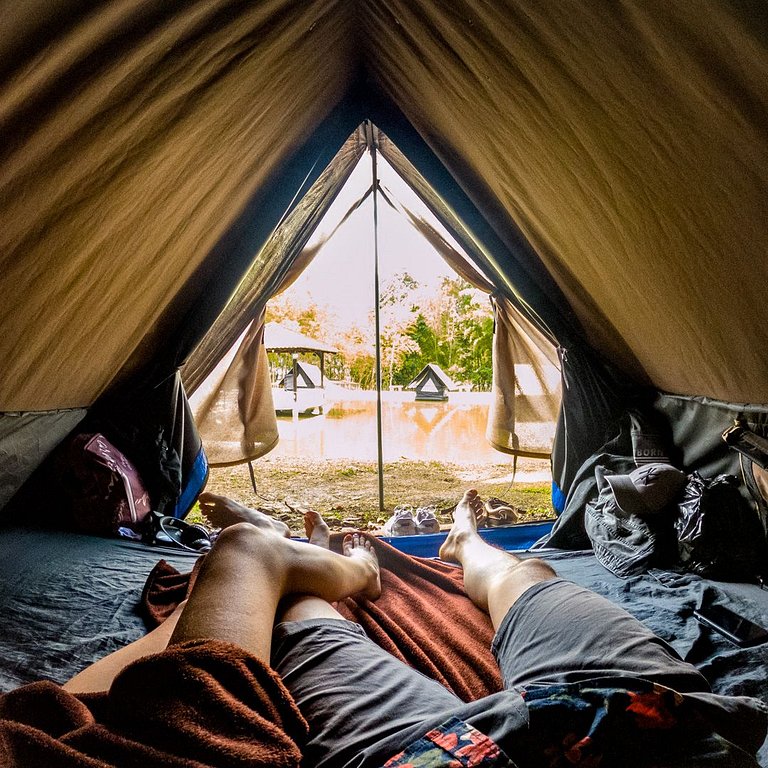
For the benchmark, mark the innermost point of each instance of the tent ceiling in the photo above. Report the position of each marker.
(627, 141)
(129, 144)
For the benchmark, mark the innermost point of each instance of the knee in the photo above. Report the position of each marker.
(536, 569)
(241, 536)
(525, 573)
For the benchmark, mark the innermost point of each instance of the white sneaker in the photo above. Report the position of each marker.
(426, 520)
(401, 523)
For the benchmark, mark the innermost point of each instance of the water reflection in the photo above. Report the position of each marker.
(452, 431)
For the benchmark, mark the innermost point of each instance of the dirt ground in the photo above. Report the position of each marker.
(347, 492)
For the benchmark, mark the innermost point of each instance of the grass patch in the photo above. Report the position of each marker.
(346, 493)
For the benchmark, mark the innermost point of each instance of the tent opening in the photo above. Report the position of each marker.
(491, 393)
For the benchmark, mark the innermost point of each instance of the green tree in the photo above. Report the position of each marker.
(396, 310)
(362, 370)
(422, 352)
(476, 360)
(454, 330)
(356, 347)
(336, 367)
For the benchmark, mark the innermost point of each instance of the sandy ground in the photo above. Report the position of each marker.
(347, 492)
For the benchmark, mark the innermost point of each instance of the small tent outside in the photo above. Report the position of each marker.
(431, 383)
(301, 390)
(307, 376)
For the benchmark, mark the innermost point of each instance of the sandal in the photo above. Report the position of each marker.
(191, 536)
(499, 513)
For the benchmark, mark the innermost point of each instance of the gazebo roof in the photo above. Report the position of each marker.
(280, 339)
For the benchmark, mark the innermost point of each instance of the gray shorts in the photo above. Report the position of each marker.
(364, 706)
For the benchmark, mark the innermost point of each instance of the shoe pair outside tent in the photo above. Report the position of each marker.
(406, 522)
(426, 520)
(402, 523)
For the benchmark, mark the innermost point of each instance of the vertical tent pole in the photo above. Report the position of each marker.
(374, 186)
(295, 412)
(321, 407)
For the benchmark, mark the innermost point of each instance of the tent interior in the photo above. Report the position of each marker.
(165, 165)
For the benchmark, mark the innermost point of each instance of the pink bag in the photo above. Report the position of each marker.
(104, 488)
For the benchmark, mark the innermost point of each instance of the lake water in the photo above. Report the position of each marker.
(452, 431)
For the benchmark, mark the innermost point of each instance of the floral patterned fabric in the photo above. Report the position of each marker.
(454, 744)
(582, 725)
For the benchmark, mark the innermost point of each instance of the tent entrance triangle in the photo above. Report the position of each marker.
(228, 371)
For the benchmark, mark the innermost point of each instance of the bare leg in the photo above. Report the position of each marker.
(316, 529)
(99, 675)
(303, 607)
(223, 512)
(236, 595)
(494, 579)
(241, 583)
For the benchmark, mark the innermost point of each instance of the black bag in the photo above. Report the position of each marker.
(752, 445)
(719, 536)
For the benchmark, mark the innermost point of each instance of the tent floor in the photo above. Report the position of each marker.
(67, 600)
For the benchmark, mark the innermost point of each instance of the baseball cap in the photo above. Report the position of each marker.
(647, 489)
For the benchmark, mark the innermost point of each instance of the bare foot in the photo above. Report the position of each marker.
(317, 529)
(358, 547)
(464, 526)
(223, 512)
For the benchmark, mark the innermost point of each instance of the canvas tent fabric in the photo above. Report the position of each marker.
(526, 382)
(234, 408)
(280, 261)
(612, 157)
(26, 439)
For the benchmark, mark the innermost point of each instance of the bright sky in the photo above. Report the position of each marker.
(341, 276)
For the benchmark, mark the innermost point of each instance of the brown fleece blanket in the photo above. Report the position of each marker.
(198, 704)
(423, 618)
(210, 704)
